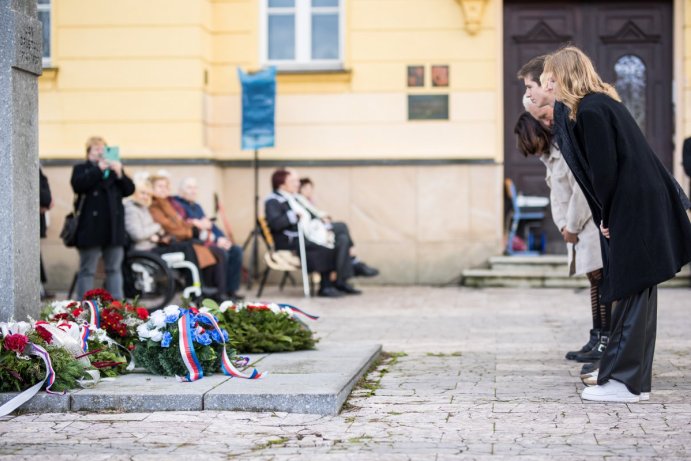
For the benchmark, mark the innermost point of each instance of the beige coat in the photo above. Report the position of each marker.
(570, 210)
(140, 225)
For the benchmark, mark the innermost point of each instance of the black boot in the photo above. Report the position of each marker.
(592, 342)
(595, 354)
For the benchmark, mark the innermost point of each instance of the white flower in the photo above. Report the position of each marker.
(171, 310)
(13, 328)
(158, 319)
(143, 331)
(156, 335)
(225, 305)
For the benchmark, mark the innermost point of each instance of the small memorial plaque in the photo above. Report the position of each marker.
(428, 107)
(28, 44)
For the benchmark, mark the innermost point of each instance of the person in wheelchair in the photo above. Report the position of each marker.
(210, 260)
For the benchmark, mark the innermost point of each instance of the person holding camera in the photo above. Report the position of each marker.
(100, 186)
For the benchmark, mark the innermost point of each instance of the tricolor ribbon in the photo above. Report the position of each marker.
(48, 381)
(84, 337)
(185, 328)
(226, 365)
(299, 311)
(95, 317)
(189, 356)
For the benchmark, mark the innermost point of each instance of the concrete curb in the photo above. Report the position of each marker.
(316, 382)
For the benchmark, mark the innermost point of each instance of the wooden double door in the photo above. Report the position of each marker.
(630, 44)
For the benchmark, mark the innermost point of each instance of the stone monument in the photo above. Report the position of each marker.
(20, 66)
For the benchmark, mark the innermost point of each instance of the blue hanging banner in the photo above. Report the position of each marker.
(258, 108)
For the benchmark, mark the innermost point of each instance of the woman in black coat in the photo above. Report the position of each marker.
(641, 211)
(101, 185)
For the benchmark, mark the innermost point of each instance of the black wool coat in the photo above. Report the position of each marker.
(102, 221)
(45, 198)
(284, 230)
(629, 191)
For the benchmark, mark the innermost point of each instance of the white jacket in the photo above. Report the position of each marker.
(570, 210)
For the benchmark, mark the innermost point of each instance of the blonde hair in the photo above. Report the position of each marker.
(92, 141)
(142, 185)
(575, 75)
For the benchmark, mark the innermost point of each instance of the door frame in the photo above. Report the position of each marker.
(678, 89)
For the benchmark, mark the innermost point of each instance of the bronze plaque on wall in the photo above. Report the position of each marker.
(428, 107)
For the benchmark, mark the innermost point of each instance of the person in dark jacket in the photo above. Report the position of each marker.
(283, 220)
(191, 211)
(102, 185)
(45, 199)
(640, 209)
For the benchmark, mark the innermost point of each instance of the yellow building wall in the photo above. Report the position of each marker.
(130, 71)
(361, 113)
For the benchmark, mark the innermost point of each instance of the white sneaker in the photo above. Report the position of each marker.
(611, 391)
(644, 396)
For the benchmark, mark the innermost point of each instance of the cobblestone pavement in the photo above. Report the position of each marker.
(473, 374)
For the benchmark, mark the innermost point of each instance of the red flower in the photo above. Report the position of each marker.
(77, 312)
(99, 294)
(142, 313)
(45, 334)
(116, 304)
(16, 343)
(61, 316)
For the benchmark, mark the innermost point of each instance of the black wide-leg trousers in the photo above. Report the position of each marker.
(628, 357)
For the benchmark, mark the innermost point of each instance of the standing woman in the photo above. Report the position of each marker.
(640, 210)
(574, 220)
(102, 185)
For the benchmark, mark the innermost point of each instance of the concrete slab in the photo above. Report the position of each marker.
(145, 392)
(40, 403)
(316, 381)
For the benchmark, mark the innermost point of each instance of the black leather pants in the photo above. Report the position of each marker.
(629, 354)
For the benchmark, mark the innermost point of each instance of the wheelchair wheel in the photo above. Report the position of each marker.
(149, 278)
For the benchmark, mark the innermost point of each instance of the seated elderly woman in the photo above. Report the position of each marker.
(305, 197)
(209, 259)
(325, 253)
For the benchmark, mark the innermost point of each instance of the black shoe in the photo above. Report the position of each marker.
(590, 367)
(594, 354)
(347, 289)
(592, 342)
(236, 297)
(361, 269)
(329, 292)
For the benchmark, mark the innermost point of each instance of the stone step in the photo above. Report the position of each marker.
(543, 262)
(541, 278)
(317, 382)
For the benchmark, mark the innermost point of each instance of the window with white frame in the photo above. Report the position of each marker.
(43, 7)
(303, 34)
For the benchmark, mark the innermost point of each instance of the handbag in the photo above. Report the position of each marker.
(68, 234)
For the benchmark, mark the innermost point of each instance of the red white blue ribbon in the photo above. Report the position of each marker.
(299, 311)
(185, 329)
(93, 310)
(28, 394)
(84, 337)
(226, 365)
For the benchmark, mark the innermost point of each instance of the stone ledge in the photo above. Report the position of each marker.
(317, 382)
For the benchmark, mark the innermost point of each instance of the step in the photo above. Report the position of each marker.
(522, 278)
(540, 278)
(317, 381)
(545, 262)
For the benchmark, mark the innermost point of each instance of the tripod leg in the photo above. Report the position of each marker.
(263, 281)
(283, 281)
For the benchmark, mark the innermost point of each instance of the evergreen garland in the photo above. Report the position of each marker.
(258, 330)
